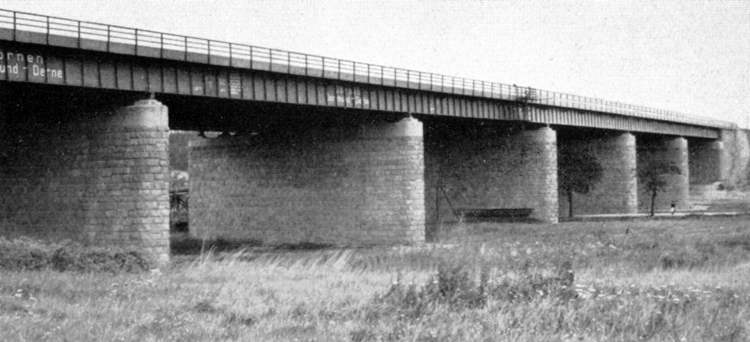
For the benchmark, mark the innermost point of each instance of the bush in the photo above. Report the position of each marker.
(75, 257)
(461, 285)
(28, 254)
(23, 254)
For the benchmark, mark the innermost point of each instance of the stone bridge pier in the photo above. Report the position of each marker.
(617, 191)
(673, 151)
(355, 181)
(485, 167)
(97, 177)
(706, 161)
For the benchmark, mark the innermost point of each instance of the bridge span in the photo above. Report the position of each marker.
(315, 149)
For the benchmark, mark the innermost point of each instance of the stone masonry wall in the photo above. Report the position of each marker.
(98, 178)
(617, 191)
(705, 161)
(489, 167)
(673, 150)
(736, 157)
(352, 184)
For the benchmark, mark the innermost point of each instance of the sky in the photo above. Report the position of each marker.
(687, 56)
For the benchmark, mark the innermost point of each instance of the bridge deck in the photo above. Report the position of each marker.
(34, 29)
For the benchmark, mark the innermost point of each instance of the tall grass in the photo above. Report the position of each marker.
(612, 281)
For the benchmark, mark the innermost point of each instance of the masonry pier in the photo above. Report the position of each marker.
(617, 191)
(706, 160)
(353, 183)
(489, 167)
(672, 151)
(98, 177)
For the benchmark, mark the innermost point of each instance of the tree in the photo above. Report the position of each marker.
(654, 178)
(578, 171)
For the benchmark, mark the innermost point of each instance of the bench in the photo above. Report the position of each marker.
(494, 214)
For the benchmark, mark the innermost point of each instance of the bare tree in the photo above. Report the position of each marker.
(578, 171)
(654, 178)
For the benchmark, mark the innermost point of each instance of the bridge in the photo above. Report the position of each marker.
(314, 149)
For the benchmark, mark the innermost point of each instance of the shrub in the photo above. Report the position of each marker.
(28, 254)
(23, 254)
(463, 285)
(75, 257)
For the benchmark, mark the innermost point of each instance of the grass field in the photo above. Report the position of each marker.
(681, 280)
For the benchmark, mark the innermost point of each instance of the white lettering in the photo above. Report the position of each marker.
(20, 57)
(347, 96)
(36, 62)
(37, 71)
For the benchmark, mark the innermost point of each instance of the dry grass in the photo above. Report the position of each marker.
(682, 280)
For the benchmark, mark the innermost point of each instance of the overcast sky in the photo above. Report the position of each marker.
(687, 56)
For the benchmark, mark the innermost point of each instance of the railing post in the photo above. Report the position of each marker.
(47, 37)
(270, 59)
(230, 55)
(251, 56)
(161, 45)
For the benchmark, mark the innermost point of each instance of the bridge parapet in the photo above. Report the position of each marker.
(38, 29)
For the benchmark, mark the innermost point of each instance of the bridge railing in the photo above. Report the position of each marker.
(33, 28)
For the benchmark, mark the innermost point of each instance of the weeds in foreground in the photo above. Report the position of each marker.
(517, 287)
(534, 307)
(29, 254)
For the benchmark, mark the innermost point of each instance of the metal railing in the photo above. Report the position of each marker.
(171, 46)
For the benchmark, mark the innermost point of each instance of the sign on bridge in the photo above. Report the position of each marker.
(30, 67)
